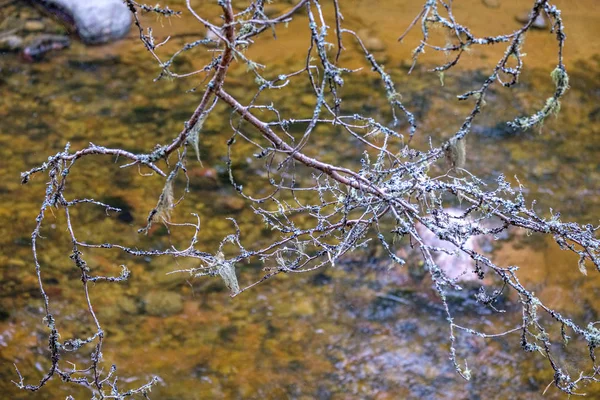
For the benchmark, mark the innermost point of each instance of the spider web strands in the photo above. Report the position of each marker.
(342, 207)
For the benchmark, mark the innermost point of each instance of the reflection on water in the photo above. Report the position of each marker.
(355, 331)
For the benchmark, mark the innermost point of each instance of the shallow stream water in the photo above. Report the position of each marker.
(336, 333)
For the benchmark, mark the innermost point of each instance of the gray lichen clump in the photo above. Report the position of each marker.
(552, 106)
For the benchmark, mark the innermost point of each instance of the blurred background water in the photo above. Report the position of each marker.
(336, 333)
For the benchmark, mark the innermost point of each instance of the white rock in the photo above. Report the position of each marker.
(96, 21)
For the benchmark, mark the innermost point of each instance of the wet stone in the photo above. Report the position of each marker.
(371, 42)
(11, 43)
(591, 310)
(407, 328)
(594, 115)
(491, 3)
(146, 115)
(374, 44)
(97, 21)
(128, 306)
(203, 178)
(320, 279)
(540, 21)
(163, 303)
(4, 313)
(125, 217)
(94, 64)
(304, 307)
(383, 308)
(211, 286)
(40, 45)
(126, 213)
(168, 281)
(34, 26)
(228, 333)
(323, 393)
(233, 203)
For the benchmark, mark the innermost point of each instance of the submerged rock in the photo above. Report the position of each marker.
(371, 41)
(538, 23)
(34, 26)
(128, 305)
(163, 303)
(97, 21)
(232, 203)
(491, 3)
(454, 263)
(37, 48)
(501, 130)
(11, 43)
(203, 178)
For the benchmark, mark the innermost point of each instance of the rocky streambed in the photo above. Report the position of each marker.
(43, 26)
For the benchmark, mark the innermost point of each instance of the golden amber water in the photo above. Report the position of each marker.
(327, 335)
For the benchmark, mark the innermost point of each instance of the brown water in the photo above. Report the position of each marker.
(327, 335)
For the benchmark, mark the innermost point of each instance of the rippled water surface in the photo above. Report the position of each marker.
(337, 333)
